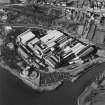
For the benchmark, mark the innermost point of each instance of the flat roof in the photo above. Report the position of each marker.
(27, 35)
(51, 36)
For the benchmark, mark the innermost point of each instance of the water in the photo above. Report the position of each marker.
(14, 92)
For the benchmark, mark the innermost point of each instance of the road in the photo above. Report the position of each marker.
(14, 92)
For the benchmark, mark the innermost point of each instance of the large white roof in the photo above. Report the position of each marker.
(51, 36)
(27, 35)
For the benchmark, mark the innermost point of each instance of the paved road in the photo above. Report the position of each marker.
(14, 92)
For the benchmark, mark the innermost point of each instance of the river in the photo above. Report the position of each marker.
(14, 92)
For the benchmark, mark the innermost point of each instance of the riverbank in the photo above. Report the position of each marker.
(15, 92)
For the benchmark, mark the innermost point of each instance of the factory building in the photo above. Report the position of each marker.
(51, 50)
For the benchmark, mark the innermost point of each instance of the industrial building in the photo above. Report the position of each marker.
(54, 50)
